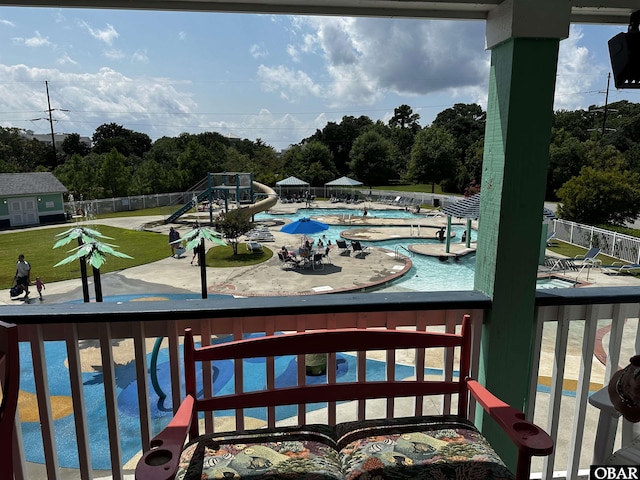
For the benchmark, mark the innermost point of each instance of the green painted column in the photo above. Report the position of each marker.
(516, 152)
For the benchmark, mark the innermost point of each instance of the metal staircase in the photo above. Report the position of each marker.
(185, 208)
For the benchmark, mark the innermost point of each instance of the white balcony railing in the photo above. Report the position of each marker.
(65, 346)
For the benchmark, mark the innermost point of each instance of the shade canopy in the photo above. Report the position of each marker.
(304, 226)
(469, 207)
(292, 182)
(343, 182)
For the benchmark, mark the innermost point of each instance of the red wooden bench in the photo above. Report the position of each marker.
(409, 446)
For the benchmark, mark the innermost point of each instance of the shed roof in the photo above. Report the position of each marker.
(32, 183)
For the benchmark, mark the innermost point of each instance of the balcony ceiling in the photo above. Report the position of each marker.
(583, 11)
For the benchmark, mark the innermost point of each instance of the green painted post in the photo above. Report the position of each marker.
(516, 152)
(448, 238)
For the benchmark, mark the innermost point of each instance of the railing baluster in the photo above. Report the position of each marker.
(77, 396)
(109, 382)
(555, 397)
(41, 378)
(142, 382)
(582, 390)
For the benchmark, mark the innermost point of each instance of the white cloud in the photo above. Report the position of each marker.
(6, 23)
(577, 72)
(140, 56)
(106, 35)
(258, 51)
(366, 59)
(35, 41)
(292, 84)
(104, 96)
(182, 35)
(114, 54)
(65, 59)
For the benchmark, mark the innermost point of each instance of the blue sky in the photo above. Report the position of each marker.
(277, 78)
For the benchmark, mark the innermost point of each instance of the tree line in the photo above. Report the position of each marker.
(593, 171)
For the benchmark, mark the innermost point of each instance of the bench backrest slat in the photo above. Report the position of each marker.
(331, 389)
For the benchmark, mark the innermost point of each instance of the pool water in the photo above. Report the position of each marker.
(554, 282)
(428, 274)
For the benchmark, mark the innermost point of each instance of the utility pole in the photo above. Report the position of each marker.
(50, 120)
(53, 138)
(604, 110)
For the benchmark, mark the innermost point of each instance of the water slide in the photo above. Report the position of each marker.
(264, 204)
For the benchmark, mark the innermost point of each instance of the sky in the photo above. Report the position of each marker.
(277, 78)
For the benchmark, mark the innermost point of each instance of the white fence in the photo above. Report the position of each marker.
(613, 244)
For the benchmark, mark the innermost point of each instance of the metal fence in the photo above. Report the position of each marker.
(124, 204)
(613, 244)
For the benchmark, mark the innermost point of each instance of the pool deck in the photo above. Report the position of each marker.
(345, 272)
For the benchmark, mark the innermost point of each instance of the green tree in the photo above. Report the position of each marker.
(339, 138)
(372, 157)
(194, 163)
(18, 154)
(81, 175)
(599, 197)
(403, 117)
(466, 122)
(115, 175)
(233, 225)
(148, 178)
(111, 135)
(73, 146)
(566, 159)
(318, 166)
(433, 156)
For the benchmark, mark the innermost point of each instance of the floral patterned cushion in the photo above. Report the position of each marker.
(409, 448)
(416, 448)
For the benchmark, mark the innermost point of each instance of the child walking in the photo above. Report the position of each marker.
(40, 286)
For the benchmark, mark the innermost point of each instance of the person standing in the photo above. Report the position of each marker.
(173, 237)
(40, 286)
(23, 274)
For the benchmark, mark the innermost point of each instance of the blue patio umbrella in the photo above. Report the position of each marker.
(304, 226)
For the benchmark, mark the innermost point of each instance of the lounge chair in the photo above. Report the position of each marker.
(254, 247)
(344, 248)
(589, 258)
(619, 267)
(550, 237)
(358, 247)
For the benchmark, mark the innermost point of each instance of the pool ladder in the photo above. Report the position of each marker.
(400, 255)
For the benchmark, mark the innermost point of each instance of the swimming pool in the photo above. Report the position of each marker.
(428, 274)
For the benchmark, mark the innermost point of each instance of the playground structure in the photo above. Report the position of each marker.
(229, 188)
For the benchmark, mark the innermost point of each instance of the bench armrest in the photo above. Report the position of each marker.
(161, 461)
(529, 439)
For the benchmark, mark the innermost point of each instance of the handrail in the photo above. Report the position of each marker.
(139, 321)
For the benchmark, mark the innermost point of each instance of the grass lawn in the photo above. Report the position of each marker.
(223, 256)
(37, 247)
(144, 247)
(417, 188)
